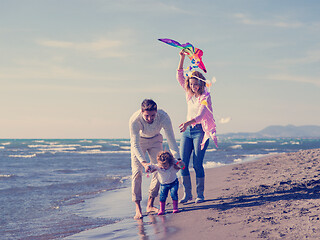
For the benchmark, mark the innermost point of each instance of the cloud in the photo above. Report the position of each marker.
(273, 23)
(82, 89)
(91, 46)
(102, 47)
(310, 57)
(291, 78)
(225, 120)
(46, 69)
(146, 6)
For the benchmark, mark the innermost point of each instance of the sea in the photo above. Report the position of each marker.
(51, 188)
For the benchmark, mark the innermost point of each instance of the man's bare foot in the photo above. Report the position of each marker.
(138, 211)
(138, 216)
(152, 209)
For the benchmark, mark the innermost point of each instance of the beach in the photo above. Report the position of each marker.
(276, 197)
(80, 189)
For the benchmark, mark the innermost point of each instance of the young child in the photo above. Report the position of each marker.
(167, 170)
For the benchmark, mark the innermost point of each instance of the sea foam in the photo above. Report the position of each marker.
(23, 156)
(213, 164)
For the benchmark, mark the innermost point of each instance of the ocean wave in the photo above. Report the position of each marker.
(114, 144)
(88, 141)
(1, 147)
(23, 156)
(118, 145)
(118, 178)
(94, 146)
(250, 157)
(6, 143)
(62, 149)
(251, 142)
(236, 147)
(53, 146)
(291, 142)
(213, 164)
(126, 178)
(6, 175)
(36, 146)
(211, 150)
(244, 142)
(126, 147)
(98, 151)
(270, 149)
(237, 160)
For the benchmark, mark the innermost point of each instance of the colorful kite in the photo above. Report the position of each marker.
(195, 54)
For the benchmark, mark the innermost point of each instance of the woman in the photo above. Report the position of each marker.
(197, 130)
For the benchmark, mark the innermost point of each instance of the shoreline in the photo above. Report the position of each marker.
(273, 197)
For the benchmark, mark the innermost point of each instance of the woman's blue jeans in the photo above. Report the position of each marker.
(190, 144)
(164, 190)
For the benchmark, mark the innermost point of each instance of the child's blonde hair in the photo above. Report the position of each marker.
(202, 84)
(165, 157)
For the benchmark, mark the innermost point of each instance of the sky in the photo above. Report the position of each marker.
(80, 68)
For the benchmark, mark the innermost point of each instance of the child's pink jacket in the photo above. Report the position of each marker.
(205, 113)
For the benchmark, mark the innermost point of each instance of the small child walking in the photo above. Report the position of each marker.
(167, 173)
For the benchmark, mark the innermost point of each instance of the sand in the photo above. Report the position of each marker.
(276, 197)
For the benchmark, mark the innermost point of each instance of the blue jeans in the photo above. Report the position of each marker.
(190, 143)
(164, 190)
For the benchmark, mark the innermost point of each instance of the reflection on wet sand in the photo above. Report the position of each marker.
(153, 225)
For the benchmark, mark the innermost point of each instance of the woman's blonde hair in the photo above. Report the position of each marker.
(202, 84)
(165, 157)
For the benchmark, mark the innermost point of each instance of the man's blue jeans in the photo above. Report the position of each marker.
(164, 190)
(190, 143)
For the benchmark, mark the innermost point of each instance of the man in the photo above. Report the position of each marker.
(145, 126)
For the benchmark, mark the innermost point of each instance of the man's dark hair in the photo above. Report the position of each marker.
(148, 105)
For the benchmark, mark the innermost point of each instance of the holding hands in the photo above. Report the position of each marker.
(148, 167)
(180, 164)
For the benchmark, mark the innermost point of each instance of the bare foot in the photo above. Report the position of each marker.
(138, 216)
(152, 209)
(138, 211)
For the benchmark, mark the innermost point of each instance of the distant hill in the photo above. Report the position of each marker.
(289, 131)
